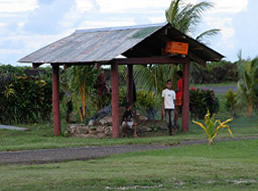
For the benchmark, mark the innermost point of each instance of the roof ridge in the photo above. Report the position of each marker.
(120, 28)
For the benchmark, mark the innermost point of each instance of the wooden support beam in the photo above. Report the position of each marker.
(67, 66)
(151, 60)
(186, 99)
(115, 100)
(98, 65)
(197, 59)
(35, 65)
(55, 100)
(130, 84)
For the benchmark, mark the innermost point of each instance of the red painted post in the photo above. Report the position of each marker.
(55, 100)
(130, 84)
(186, 101)
(115, 100)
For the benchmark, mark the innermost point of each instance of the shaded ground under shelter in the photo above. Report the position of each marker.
(137, 44)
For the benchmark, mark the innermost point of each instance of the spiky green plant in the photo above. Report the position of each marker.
(247, 84)
(212, 126)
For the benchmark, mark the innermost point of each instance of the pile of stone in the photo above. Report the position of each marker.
(103, 127)
(82, 130)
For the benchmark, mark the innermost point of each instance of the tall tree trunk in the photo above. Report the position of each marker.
(250, 109)
(78, 108)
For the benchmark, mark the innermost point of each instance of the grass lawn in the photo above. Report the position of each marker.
(41, 137)
(222, 166)
(224, 84)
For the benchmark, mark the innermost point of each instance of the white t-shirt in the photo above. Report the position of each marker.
(169, 97)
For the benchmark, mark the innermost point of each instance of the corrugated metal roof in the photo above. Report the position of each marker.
(92, 45)
(105, 44)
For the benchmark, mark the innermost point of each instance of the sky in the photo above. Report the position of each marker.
(27, 25)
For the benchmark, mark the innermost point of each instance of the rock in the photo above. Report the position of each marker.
(84, 130)
(142, 118)
(108, 130)
(146, 129)
(100, 129)
(77, 130)
(163, 127)
(101, 135)
(73, 126)
(91, 136)
(93, 127)
(70, 130)
(106, 120)
(91, 131)
(91, 123)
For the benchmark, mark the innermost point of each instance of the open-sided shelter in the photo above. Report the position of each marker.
(138, 44)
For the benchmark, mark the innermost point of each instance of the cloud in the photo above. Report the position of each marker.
(46, 18)
(118, 6)
(229, 6)
(14, 6)
(221, 17)
(15, 47)
(86, 5)
(27, 25)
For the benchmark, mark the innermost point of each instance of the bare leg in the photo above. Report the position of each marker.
(134, 125)
(125, 130)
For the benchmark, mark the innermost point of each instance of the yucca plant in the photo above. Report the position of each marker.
(213, 126)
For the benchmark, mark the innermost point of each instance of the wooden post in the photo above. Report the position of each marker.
(186, 101)
(115, 100)
(130, 84)
(55, 100)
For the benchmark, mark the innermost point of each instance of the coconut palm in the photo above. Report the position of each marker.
(81, 80)
(247, 84)
(184, 17)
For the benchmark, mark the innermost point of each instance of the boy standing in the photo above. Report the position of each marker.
(179, 96)
(168, 106)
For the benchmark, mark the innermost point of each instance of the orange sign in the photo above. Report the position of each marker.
(177, 47)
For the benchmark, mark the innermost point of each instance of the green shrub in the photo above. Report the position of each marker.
(147, 102)
(202, 100)
(24, 100)
(231, 101)
(122, 96)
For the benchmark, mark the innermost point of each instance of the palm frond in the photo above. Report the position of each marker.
(205, 36)
(172, 11)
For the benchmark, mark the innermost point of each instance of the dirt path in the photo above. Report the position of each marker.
(222, 89)
(86, 153)
(8, 127)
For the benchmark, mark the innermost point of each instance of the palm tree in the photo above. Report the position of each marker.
(184, 18)
(81, 80)
(247, 84)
